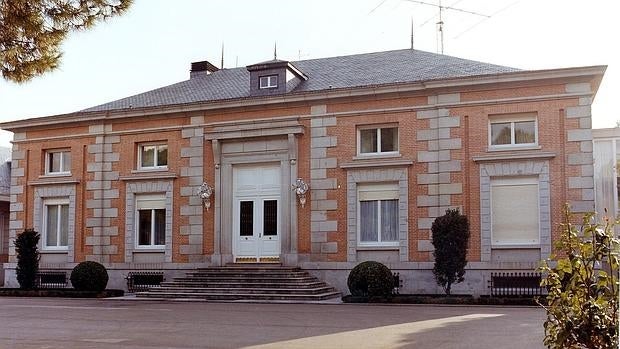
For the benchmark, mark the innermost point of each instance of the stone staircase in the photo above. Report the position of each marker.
(245, 282)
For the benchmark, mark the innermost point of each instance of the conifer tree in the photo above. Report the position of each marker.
(32, 31)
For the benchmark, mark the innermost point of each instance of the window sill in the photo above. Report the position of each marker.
(59, 251)
(151, 174)
(515, 246)
(378, 248)
(51, 180)
(149, 250)
(55, 175)
(386, 155)
(513, 147)
(377, 162)
(149, 170)
(516, 155)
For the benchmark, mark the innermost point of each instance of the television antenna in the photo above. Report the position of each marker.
(440, 23)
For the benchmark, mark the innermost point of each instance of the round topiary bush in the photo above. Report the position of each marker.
(89, 276)
(371, 279)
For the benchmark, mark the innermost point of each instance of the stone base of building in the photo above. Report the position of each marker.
(417, 277)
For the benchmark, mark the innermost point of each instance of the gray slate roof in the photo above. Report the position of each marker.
(369, 69)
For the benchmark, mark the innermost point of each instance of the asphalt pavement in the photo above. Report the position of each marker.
(88, 323)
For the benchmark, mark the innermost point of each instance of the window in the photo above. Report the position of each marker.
(270, 81)
(153, 156)
(56, 224)
(513, 131)
(377, 214)
(57, 162)
(151, 221)
(515, 211)
(382, 140)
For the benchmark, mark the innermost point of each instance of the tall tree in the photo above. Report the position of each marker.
(450, 237)
(31, 31)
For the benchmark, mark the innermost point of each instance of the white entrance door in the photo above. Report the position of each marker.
(256, 213)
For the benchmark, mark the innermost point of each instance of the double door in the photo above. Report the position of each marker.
(256, 213)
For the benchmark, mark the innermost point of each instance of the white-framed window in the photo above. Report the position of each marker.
(58, 161)
(55, 224)
(377, 212)
(150, 221)
(152, 156)
(373, 140)
(515, 211)
(269, 81)
(517, 130)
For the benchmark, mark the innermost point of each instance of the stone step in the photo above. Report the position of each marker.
(241, 273)
(266, 284)
(202, 290)
(250, 268)
(240, 296)
(252, 278)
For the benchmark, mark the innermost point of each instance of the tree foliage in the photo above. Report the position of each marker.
(31, 31)
(89, 276)
(27, 258)
(372, 279)
(582, 281)
(450, 239)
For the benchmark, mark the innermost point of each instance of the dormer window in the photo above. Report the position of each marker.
(270, 81)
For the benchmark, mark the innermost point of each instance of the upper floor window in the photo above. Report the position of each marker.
(153, 156)
(377, 140)
(151, 221)
(57, 161)
(513, 131)
(378, 214)
(56, 223)
(270, 81)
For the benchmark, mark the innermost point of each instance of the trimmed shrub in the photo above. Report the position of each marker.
(582, 280)
(371, 279)
(89, 276)
(27, 258)
(450, 239)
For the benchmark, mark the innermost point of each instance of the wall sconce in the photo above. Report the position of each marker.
(301, 188)
(204, 193)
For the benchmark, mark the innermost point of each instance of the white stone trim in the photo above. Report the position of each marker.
(51, 192)
(538, 168)
(138, 188)
(377, 175)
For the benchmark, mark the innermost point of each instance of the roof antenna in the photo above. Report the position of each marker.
(237, 62)
(275, 51)
(440, 23)
(222, 63)
(412, 32)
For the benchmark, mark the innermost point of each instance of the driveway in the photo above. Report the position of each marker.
(78, 323)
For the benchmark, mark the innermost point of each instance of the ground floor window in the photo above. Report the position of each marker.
(378, 214)
(151, 221)
(515, 211)
(56, 223)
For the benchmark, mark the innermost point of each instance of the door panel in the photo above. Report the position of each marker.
(256, 212)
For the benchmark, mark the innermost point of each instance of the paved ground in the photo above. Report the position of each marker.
(75, 323)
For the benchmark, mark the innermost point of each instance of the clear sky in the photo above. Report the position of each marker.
(153, 44)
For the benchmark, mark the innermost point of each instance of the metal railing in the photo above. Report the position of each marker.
(138, 281)
(51, 279)
(512, 284)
